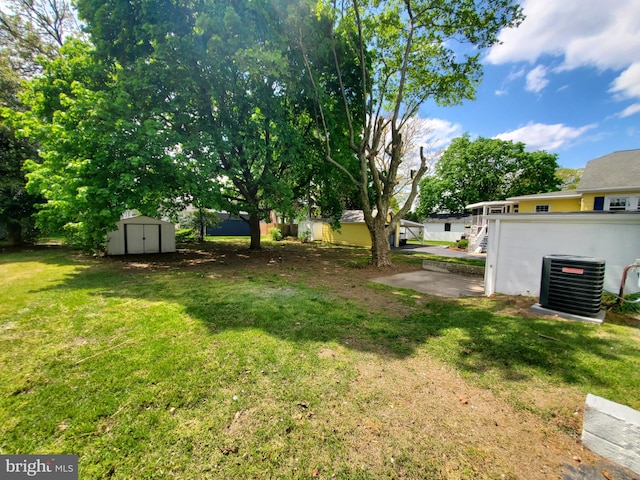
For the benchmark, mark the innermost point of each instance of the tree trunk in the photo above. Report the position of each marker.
(254, 228)
(380, 249)
(14, 233)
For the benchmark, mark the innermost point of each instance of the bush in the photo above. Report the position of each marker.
(305, 236)
(463, 243)
(276, 233)
(186, 235)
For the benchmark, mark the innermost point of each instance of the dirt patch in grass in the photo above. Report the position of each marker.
(412, 417)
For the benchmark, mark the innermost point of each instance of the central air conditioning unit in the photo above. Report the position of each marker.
(572, 284)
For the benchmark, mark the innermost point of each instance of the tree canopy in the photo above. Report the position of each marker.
(222, 79)
(485, 169)
(408, 52)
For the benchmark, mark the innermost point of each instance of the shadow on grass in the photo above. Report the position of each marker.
(477, 337)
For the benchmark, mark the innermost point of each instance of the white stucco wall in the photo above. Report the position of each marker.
(518, 242)
(435, 231)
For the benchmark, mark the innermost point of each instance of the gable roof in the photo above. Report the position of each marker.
(615, 171)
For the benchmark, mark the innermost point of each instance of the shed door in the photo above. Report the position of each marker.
(139, 238)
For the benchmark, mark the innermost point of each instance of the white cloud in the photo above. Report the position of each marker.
(630, 110)
(537, 79)
(603, 34)
(539, 136)
(627, 85)
(435, 133)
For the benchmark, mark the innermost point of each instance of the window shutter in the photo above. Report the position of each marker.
(598, 203)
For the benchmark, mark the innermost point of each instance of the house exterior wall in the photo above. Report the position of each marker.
(355, 234)
(517, 244)
(435, 231)
(588, 199)
(555, 205)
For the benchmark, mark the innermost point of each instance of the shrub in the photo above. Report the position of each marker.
(305, 236)
(276, 233)
(463, 243)
(186, 235)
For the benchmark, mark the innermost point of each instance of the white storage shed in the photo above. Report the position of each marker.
(139, 235)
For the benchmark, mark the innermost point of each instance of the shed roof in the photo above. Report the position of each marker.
(357, 216)
(615, 171)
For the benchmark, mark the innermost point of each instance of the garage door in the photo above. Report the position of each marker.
(141, 238)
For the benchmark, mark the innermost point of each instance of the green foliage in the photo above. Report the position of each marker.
(305, 236)
(407, 53)
(198, 221)
(100, 156)
(17, 206)
(462, 243)
(484, 169)
(227, 85)
(570, 177)
(276, 234)
(186, 235)
(629, 305)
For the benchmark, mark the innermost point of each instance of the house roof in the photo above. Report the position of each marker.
(409, 223)
(615, 171)
(548, 195)
(488, 204)
(448, 218)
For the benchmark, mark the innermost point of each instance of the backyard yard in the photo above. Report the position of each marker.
(221, 362)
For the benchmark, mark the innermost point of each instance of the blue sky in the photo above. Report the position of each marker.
(566, 81)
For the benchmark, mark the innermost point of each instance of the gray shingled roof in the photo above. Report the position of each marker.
(618, 170)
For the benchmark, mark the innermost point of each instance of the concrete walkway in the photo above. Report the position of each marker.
(451, 285)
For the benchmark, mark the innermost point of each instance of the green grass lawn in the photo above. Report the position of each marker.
(189, 373)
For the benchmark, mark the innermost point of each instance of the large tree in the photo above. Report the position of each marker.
(222, 77)
(408, 52)
(485, 169)
(30, 31)
(98, 155)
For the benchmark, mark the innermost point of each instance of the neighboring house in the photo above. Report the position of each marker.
(353, 231)
(230, 225)
(611, 182)
(608, 183)
(479, 231)
(446, 227)
(140, 235)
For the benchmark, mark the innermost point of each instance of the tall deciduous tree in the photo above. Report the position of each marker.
(30, 30)
(99, 156)
(408, 52)
(485, 169)
(223, 78)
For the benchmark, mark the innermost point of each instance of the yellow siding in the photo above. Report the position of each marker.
(355, 234)
(555, 205)
(588, 199)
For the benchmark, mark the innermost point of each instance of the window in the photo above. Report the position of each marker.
(618, 203)
(447, 227)
(542, 208)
